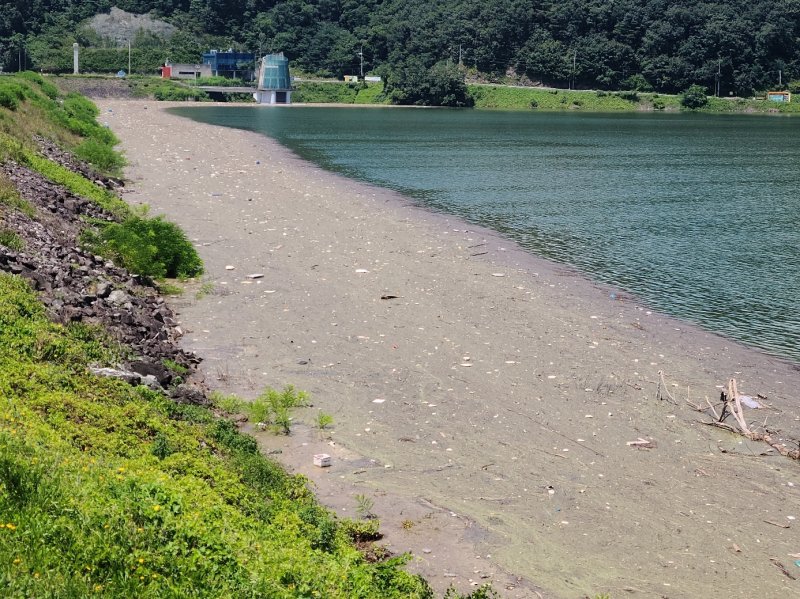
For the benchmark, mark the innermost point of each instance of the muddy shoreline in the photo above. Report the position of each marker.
(510, 385)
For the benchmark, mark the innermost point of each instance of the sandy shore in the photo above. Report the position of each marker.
(496, 385)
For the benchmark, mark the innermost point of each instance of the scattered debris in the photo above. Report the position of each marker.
(731, 402)
(782, 568)
(662, 393)
(642, 444)
(388, 297)
(778, 524)
(257, 275)
(322, 460)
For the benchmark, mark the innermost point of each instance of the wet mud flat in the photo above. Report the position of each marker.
(499, 387)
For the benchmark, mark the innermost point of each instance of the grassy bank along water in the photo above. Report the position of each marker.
(109, 489)
(31, 107)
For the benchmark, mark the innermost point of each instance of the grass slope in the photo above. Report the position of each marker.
(116, 491)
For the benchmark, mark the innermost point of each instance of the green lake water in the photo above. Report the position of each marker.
(697, 215)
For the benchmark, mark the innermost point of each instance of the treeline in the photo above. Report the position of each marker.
(735, 47)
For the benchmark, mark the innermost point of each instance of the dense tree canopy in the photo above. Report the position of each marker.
(664, 44)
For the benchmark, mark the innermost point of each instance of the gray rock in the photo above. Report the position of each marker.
(124, 375)
(118, 297)
(103, 289)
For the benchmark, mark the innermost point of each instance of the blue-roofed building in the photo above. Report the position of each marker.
(234, 65)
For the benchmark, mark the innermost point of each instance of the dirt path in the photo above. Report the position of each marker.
(499, 386)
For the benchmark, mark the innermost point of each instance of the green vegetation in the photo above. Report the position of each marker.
(327, 93)
(149, 246)
(206, 288)
(229, 405)
(364, 507)
(520, 98)
(113, 490)
(152, 247)
(273, 408)
(483, 592)
(694, 97)
(323, 420)
(177, 93)
(636, 45)
(10, 198)
(10, 239)
(412, 82)
(76, 183)
(167, 288)
(217, 81)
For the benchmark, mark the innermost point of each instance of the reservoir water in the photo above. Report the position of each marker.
(697, 215)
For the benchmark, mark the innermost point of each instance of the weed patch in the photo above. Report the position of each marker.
(9, 197)
(11, 240)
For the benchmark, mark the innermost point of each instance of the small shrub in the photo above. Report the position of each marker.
(364, 507)
(601, 94)
(324, 420)
(534, 104)
(694, 97)
(152, 247)
(259, 410)
(281, 420)
(658, 105)
(630, 96)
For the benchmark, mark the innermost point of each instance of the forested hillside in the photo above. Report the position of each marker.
(666, 45)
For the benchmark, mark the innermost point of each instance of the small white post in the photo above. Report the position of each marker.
(75, 58)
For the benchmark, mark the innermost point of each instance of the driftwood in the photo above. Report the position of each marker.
(732, 406)
(662, 393)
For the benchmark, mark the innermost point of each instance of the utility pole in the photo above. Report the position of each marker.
(361, 56)
(129, 56)
(460, 62)
(780, 74)
(719, 75)
(574, 61)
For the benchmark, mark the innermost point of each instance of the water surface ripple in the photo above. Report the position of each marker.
(697, 215)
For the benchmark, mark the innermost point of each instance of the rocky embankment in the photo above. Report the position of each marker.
(77, 286)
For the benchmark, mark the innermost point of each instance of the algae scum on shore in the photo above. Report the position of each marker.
(667, 207)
